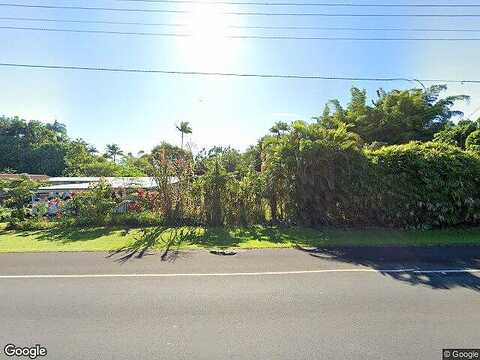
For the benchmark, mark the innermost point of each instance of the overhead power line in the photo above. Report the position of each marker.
(247, 13)
(235, 74)
(273, 3)
(264, 37)
(327, 28)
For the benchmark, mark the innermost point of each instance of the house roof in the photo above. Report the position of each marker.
(65, 187)
(83, 183)
(73, 179)
(38, 177)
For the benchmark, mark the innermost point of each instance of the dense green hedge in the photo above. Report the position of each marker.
(412, 185)
(426, 184)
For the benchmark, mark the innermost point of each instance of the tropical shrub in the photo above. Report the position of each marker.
(33, 224)
(456, 134)
(93, 206)
(4, 214)
(473, 141)
(135, 219)
(426, 184)
(334, 181)
(321, 173)
(172, 169)
(213, 188)
(18, 195)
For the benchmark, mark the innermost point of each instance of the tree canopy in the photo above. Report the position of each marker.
(395, 117)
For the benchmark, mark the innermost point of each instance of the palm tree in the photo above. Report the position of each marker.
(92, 149)
(112, 151)
(279, 128)
(184, 128)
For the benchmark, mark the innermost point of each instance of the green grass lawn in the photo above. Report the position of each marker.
(107, 239)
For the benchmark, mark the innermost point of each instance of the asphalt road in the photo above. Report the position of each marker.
(290, 305)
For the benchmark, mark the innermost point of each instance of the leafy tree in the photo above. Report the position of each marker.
(18, 194)
(78, 158)
(48, 159)
(279, 128)
(31, 146)
(306, 174)
(213, 186)
(112, 151)
(92, 149)
(171, 152)
(396, 117)
(473, 141)
(58, 128)
(102, 168)
(456, 134)
(132, 166)
(184, 128)
(172, 169)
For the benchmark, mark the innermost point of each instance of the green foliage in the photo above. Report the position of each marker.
(113, 151)
(227, 157)
(213, 187)
(244, 203)
(32, 224)
(37, 148)
(363, 163)
(48, 159)
(473, 141)
(396, 117)
(456, 134)
(4, 214)
(424, 185)
(311, 171)
(279, 128)
(326, 177)
(184, 128)
(31, 147)
(18, 194)
(172, 169)
(133, 219)
(93, 206)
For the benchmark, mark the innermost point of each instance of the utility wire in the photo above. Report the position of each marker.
(238, 26)
(265, 37)
(235, 74)
(248, 13)
(268, 3)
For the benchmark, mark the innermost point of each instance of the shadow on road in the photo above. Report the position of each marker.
(166, 239)
(392, 258)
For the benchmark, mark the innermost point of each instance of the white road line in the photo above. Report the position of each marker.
(447, 271)
(76, 276)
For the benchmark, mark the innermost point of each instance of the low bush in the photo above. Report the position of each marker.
(92, 207)
(4, 214)
(33, 224)
(141, 219)
(18, 194)
(473, 141)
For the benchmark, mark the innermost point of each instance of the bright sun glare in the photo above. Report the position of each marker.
(208, 49)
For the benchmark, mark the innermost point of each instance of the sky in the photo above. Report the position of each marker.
(138, 111)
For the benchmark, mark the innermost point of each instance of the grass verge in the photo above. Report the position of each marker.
(255, 237)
